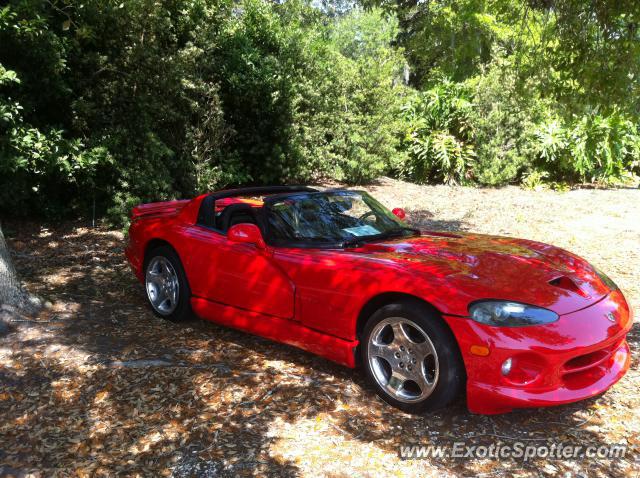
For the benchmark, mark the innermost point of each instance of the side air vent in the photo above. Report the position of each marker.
(566, 283)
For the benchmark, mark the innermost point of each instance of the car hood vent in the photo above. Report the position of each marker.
(567, 283)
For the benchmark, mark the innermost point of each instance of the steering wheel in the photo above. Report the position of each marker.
(366, 215)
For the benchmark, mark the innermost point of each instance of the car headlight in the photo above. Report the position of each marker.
(510, 314)
(605, 279)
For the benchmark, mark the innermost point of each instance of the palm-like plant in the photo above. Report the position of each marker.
(594, 148)
(439, 134)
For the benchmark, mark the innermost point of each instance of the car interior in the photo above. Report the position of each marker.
(222, 210)
(235, 214)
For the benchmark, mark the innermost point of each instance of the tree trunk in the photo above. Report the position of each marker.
(11, 292)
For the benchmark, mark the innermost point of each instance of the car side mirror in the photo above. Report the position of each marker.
(247, 234)
(399, 212)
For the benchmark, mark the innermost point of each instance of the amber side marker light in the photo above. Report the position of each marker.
(479, 350)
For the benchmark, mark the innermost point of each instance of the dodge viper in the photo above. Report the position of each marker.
(426, 315)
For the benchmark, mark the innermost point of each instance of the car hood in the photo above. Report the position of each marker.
(492, 267)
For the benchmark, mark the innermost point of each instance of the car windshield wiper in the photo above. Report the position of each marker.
(395, 232)
(352, 242)
(399, 232)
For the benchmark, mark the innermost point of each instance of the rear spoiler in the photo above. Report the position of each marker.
(163, 208)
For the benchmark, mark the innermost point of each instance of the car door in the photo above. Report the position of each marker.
(331, 287)
(236, 274)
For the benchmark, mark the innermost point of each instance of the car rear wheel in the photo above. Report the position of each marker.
(166, 285)
(411, 357)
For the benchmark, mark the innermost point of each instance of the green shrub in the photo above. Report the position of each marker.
(112, 96)
(41, 170)
(333, 111)
(590, 148)
(504, 116)
(439, 135)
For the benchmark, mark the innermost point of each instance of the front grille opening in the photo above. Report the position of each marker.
(586, 369)
(581, 379)
(583, 362)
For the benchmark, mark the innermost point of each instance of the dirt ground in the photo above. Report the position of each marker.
(97, 386)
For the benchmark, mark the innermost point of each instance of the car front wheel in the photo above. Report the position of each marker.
(411, 357)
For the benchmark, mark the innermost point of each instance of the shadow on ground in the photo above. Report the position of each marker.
(426, 220)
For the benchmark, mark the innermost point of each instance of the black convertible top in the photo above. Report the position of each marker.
(261, 191)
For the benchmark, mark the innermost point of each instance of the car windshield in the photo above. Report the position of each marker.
(342, 218)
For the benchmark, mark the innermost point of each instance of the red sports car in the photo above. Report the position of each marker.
(426, 314)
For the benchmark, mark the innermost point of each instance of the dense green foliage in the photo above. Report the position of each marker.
(554, 86)
(440, 134)
(104, 104)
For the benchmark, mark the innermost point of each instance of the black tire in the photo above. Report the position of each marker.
(182, 310)
(450, 379)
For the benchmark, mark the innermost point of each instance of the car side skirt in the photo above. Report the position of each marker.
(280, 330)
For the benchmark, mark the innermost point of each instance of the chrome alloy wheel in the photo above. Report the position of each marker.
(162, 285)
(403, 359)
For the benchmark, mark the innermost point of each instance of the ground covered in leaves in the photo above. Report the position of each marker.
(97, 386)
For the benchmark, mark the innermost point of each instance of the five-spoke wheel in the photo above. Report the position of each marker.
(162, 285)
(411, 357)
(166, 284)
(403, 359)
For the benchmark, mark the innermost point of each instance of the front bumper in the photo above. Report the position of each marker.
(580, 355)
